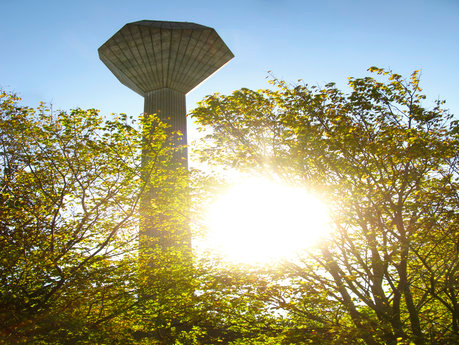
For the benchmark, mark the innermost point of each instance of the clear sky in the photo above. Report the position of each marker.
(48, 49)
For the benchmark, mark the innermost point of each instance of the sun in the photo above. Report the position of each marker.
(258, 221)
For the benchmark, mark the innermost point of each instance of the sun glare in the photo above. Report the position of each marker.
(258, 221)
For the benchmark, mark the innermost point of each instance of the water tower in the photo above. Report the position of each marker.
(163, 61)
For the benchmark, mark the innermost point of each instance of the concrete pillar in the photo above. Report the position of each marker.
(170, 106)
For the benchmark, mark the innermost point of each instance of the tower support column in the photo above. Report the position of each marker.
(170, 106)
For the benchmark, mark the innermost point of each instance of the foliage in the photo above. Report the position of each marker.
(388, 167)
(94, 237)
(71, 189)
(95, 221)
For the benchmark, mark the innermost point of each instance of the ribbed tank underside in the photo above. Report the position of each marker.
(150, 55)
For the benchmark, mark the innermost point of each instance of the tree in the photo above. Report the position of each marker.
(388, 166)
(71, 268)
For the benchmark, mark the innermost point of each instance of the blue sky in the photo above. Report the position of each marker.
(49, 48)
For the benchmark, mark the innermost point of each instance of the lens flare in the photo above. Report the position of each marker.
(258, 221)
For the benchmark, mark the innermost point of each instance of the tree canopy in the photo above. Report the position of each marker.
(388, 167)
(71, 187)
(76, 267)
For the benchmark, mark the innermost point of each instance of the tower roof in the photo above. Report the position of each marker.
(148, 55)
